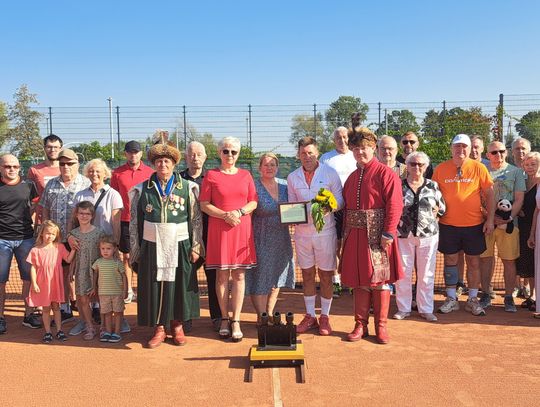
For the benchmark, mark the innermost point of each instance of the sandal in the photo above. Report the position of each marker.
(224, 333)
(47, 338)
(236, 336)
(89, 335)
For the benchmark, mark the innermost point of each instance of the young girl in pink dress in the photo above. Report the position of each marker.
(47, 289)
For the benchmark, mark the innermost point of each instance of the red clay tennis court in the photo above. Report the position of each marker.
(461, 360)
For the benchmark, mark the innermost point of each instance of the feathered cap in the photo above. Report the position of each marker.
(163, 148)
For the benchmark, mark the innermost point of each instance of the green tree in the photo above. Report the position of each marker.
(438, 129)
(340, 111)
(529, 128)
(23, 134)
(4, 123)
(307, 125)
(432, 124)
(94, 150)
(399, 122)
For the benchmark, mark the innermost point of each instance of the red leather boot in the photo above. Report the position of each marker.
(179, 338)
(381, 304)
(158, 338)
(362, 302)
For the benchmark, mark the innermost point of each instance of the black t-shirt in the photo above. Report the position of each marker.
(15, 215)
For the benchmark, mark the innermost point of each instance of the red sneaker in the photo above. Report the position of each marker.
(306, 324)
(324, 326)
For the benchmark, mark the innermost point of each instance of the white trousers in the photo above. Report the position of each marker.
(424, 251)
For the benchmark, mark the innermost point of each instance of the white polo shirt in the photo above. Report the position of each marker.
(299, 190)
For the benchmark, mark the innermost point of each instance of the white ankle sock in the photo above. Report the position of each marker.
(336, 279)
(310, 304)
(326, 303)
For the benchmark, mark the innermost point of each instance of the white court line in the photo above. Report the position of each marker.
(276, 387)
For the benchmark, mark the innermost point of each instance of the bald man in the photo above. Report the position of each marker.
(16, 233)
(387, 153)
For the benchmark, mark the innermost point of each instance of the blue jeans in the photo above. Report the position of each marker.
(20, 248)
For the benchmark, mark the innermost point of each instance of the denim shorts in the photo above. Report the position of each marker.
(21, 249)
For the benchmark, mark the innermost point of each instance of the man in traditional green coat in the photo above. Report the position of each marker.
(166, 240)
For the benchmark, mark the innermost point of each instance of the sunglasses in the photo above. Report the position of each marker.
(227, 152)
(14, 167)
(419, 165)
(495, 152)
(68, 164)
(405, 142)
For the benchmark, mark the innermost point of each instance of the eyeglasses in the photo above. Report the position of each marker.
(70, 164)
(12, 167)
(405, 142)
(419, 165)
(226, 151)
(495, 152)
(459, 173)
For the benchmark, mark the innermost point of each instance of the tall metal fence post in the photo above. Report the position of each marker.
(315, 121)
(250, 142)
(118, 130)
(185, 126)
(50, 120)
(385, 121)
(379, 114)
(500, 118)
(443, 128)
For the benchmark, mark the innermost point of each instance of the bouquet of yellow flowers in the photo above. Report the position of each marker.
(324, 202)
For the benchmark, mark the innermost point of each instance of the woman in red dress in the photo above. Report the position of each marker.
(228, 196)
(370, 259)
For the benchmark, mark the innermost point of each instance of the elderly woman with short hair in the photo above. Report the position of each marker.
(107, 201)
(229, 197)
(418, 237)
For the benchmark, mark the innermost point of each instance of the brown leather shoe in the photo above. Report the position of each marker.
(158, 338)
(357, 333)
(179, 338)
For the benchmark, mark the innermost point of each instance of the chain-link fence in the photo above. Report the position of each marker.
(270, 128)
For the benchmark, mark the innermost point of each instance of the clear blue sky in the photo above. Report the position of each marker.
(75, 53)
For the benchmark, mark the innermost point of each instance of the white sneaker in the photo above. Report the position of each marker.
(401, 315)
(450, 304)
(473, 306)
(428, 316)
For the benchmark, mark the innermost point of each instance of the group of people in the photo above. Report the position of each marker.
(394, 212)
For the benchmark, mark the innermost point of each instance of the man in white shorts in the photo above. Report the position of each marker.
(315, 251)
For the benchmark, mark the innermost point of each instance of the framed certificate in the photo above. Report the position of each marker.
(293, 212)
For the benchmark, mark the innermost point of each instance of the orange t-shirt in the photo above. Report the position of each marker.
(462, 192)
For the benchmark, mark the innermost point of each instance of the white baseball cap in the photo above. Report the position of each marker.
(462, 139)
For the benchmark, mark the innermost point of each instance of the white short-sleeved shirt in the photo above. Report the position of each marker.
(344, 164)
(299, 191)
(111, 201)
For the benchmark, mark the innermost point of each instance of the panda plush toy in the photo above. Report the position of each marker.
(504, 207)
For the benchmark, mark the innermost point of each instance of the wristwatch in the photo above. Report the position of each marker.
(387, 236)
(242, 211)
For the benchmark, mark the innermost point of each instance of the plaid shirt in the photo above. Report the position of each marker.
(59, 200)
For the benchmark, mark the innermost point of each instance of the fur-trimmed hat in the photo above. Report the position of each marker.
(162, 148)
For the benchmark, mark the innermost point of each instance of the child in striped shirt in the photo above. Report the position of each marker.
(110, 283)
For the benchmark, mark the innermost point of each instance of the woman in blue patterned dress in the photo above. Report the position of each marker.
(275, 266)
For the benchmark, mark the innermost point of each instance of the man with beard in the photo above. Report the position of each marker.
(41, 173)
(410, 144)
(132, 173)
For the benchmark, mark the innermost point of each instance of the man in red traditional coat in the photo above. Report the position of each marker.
(370, 259)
